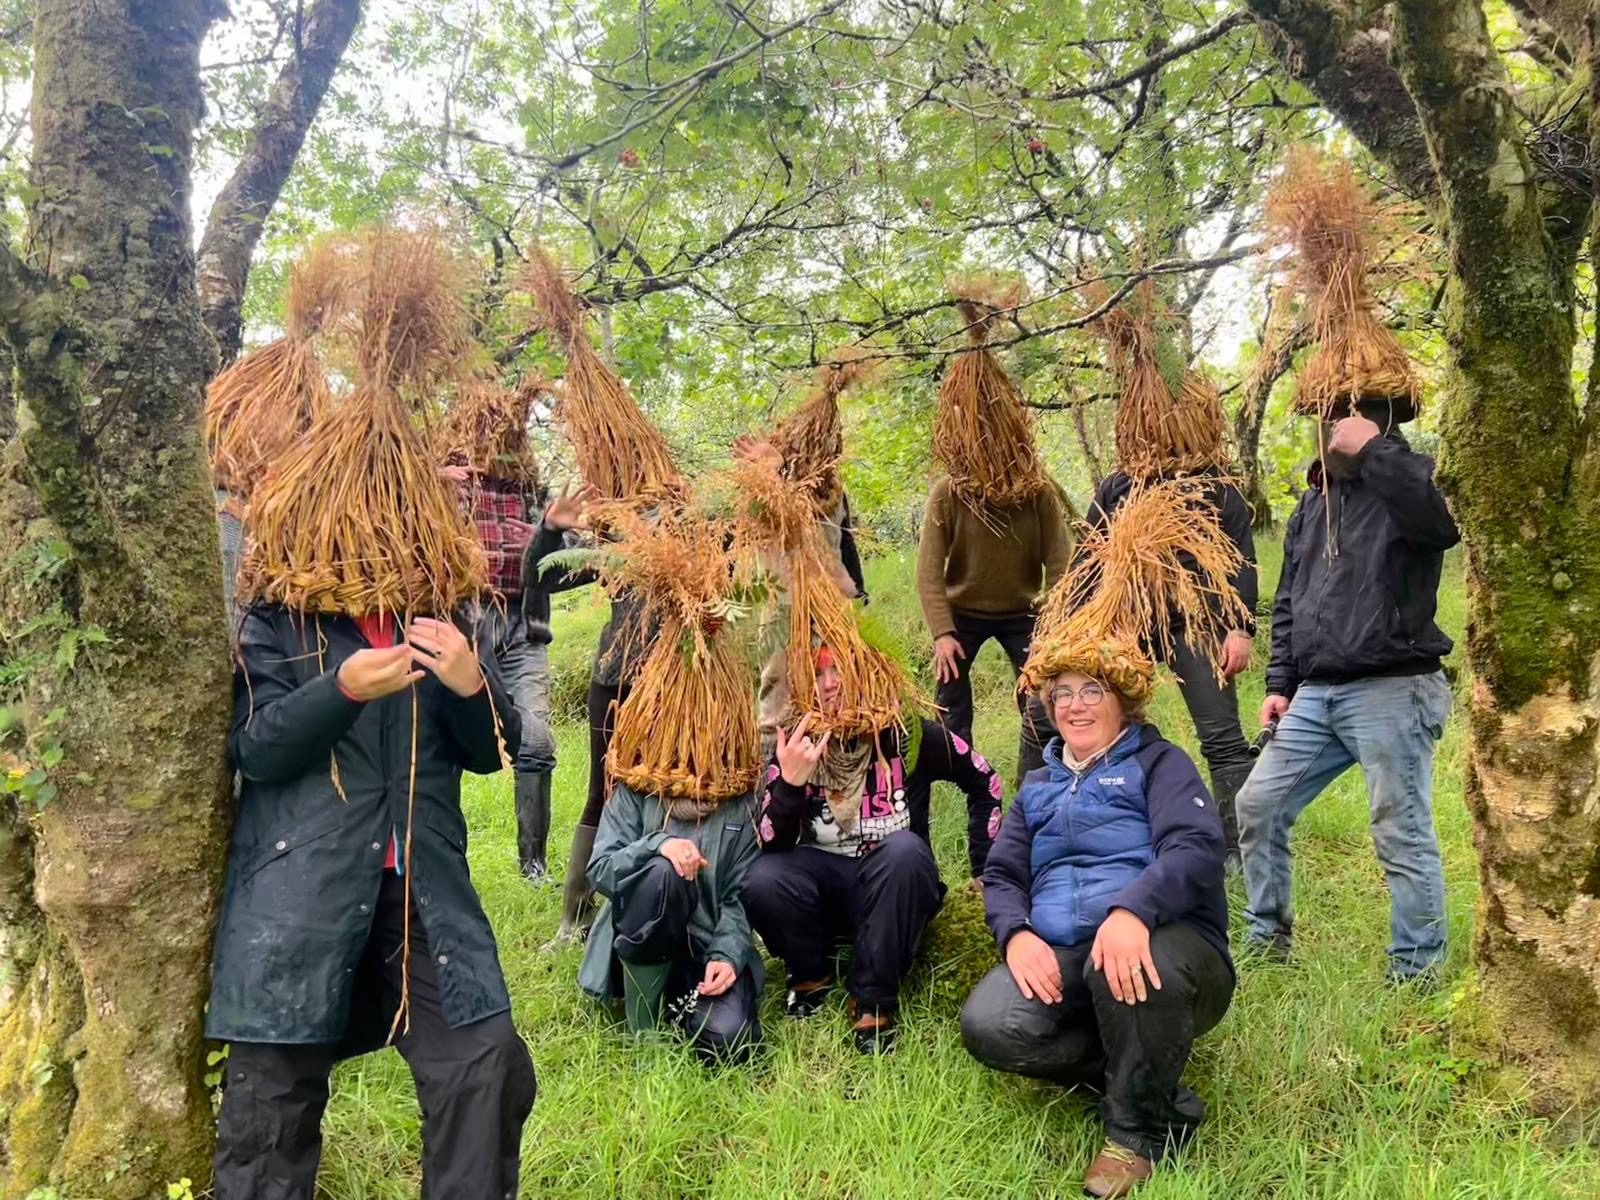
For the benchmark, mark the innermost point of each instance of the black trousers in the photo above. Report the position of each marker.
(954, 697)
(601, 727)
(805, 902)
(652, 929)
(475, 1084)
(1214, 709)
(1134, 1054)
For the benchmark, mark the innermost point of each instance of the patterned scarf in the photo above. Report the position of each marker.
(842, 774)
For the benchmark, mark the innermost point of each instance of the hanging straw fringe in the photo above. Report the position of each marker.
(485, 428)
(618, 450)
(983, 435)
(776, 533)
(1317, 208)
(1164, 425)
(811, 438)
(1162, 555)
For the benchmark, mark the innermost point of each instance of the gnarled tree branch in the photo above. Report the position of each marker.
(240, 212)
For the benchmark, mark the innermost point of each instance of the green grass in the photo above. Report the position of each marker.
(1321, 1082)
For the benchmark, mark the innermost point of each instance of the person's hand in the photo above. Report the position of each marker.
(517, 534)
(373, 674)
(1034, 967)
(684, 856)
(1272, 708)
(1351, 434)
(1122, 950)
(456, 474)
(719, 978)
(1236, 652)
(570, 509)
(798, 755)
(947, 652)
(757, 450)
(975, 885)
(443, 649)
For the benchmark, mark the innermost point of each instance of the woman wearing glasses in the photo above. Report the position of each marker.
(1104, 892)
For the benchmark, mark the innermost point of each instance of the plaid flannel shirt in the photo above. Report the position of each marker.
(494, 502)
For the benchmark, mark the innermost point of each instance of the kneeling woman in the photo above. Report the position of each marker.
(672, 937)
(1104, 886)
(845, 857)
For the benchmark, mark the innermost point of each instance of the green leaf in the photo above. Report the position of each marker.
(43, 794)
(79, 282)
(52, 756)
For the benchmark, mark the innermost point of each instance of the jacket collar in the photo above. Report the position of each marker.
(1124, 747)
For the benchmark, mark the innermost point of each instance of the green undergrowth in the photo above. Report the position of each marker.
(1321, 1082)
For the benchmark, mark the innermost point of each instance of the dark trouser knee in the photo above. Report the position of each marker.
(652, 915)
(726, 1028)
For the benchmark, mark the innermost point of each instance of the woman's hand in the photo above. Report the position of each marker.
(443, 649)
(684, 856)
(1034, 967)
(570, 510)
(719, 978)
(1122, 950)
(798, 755)
(375, 673)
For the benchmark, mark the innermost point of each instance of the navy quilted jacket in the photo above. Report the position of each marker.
(1136, 830)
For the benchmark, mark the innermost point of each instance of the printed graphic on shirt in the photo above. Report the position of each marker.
(883, 811)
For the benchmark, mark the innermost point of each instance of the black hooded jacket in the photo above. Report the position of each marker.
(1361, 566)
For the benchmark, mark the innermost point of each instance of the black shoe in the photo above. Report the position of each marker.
(807, 1002)
(875, 1039)
(1269, 950)
(1424, 982)
(536, 870)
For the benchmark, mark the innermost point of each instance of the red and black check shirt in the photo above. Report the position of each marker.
(494, 502)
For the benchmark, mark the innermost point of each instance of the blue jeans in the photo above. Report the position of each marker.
(525, 672)
(1389, 725)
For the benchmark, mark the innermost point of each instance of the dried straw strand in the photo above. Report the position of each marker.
(1162, 554)
(257, 408)
(485, 428)
(983, 435)
(618, 450)
(1164, 426)
(811, 438)
(356, 519)
(1317, 208)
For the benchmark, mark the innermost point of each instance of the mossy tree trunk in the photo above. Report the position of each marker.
(1521, 467)
(107, 894)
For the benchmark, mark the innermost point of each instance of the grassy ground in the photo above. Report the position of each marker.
(1321, 1082)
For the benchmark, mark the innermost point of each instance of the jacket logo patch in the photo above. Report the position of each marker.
(1112, 780)
(1199, 802)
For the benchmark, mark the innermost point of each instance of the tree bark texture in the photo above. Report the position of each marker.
(1520, 468)
(1277, 356)
(241, 209)
(107, 895)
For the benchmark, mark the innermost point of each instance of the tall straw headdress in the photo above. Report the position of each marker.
(1169, 417)
(687, 729)
(983, 435)
(485, 428)
(619, 451)
(811, 438)
(269, 396)
(776, 527)
(356, 518)
(1162, 552)
(1318, 210)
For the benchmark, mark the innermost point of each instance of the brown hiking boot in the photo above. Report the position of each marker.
(1116, 1172)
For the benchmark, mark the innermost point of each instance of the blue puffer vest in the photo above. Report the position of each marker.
(1091, 837)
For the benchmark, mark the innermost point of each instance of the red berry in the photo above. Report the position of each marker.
(629, 157)
(1035, 145)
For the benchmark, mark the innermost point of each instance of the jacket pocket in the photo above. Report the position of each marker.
(1433, 700)
(270, 849)
(451, 826)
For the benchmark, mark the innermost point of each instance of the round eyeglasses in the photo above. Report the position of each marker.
(1090, 693)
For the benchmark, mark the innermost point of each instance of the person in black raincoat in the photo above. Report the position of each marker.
(350, 736)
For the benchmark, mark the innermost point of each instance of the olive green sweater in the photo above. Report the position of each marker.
(996, 565)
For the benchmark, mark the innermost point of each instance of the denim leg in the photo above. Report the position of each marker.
(1302, 758)
(525, 670)
(1392, 726)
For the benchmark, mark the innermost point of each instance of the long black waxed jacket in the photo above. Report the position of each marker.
(305, 863)
(1362, 556)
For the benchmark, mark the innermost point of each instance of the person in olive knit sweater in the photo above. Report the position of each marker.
(980, 575)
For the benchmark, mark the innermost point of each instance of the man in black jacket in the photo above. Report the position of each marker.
(1213, 705)
(1355, 678)
(351, 735)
